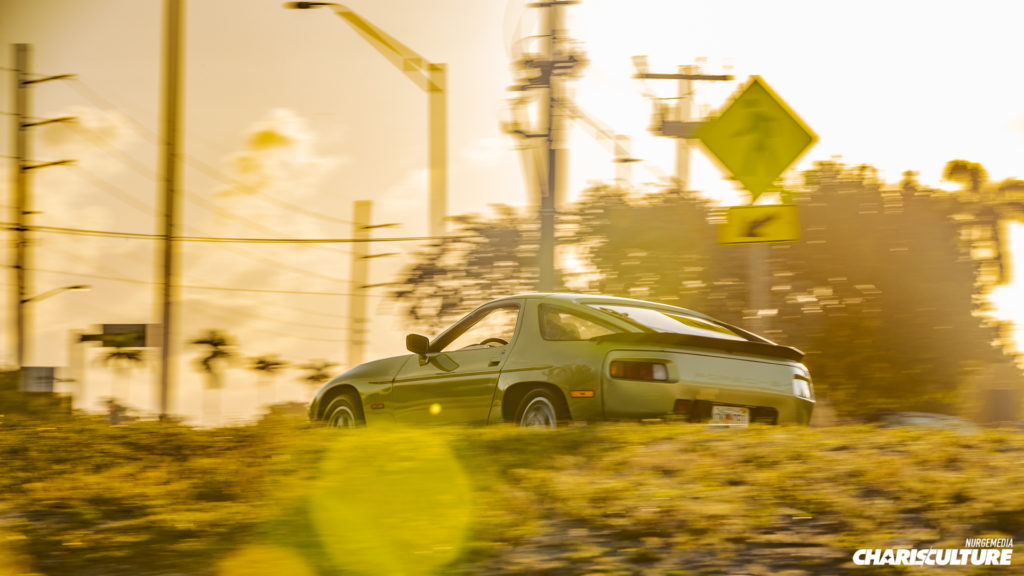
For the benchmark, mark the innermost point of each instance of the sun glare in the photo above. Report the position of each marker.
(1008, 300)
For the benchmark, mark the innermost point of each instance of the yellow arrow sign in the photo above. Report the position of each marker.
(756, 137)
(752, 224)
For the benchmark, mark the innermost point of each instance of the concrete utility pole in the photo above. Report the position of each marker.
(358, 279)
(684, 113)
(21, 210)
(558, 62)
(555, 156)
(682, 127)
(170, 168)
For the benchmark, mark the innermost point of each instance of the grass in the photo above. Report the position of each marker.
(81, 497)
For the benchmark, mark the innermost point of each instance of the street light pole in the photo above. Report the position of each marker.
(55, 291)
(430, 77)
(21, 335)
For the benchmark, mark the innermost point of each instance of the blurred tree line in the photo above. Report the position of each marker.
(885, 291)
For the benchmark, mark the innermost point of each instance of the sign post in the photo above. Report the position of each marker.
(760, 224)
(756, 138)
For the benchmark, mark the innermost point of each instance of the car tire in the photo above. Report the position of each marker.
(344, 412)
(538, 409)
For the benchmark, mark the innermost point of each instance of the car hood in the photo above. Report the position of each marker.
(688, 340)
(383, 369)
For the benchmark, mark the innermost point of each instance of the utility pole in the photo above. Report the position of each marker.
(682, 127)
(358, 279)
(550, 193)
(557, 62)
(22, 210)
(684, 113)
(170, 168)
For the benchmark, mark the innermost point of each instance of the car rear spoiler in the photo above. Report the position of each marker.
(669, 339)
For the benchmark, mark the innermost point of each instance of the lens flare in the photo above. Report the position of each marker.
(1008, 299)
(391, 502)
(264, 560)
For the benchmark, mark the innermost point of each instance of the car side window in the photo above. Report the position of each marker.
(562, 325)
(495, 328)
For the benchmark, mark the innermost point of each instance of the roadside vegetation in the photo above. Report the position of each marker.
(81, 497)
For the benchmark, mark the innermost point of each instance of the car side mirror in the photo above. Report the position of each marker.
(417, 344)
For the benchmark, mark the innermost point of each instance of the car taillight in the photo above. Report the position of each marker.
(802, 388)
(633, 370)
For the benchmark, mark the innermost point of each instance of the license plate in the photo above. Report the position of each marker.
(730, 416)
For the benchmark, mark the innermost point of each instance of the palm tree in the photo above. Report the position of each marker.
(267, 366)
(219, 350)
(317, 372)
(988, 205)
(970, 174)
(122, 360)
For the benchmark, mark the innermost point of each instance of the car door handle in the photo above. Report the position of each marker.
(493, 363)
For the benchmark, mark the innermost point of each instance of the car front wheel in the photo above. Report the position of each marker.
(537, 410)
(344, 412)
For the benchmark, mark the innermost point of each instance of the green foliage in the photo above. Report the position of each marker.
(482, 258)
(659, 246)
(81, 497)
(882, 294)
(317, 372)
(16, 405)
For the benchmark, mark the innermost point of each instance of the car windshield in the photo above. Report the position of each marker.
(668, 322)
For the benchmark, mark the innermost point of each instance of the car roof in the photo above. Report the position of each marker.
(576, 298)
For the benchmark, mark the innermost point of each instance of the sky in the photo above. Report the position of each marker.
(287, 108)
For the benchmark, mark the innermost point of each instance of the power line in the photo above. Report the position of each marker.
(114, 277)
(203, 203)
(197, 287)
(224, 178)
(195, 198)
(113, 190)
(281, 265)
(265, 261)
(259, 291)
(97, 276)
(286, 335)
(88, 93)
(306, 311)
(79, 86)
(142, 236)
(209, 307)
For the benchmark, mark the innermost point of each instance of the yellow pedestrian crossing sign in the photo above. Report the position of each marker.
(765, 223)
(756, 137)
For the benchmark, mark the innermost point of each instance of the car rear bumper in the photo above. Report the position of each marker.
(694, 402)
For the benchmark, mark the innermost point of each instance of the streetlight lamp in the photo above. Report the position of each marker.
(430, 77)
(22, 328)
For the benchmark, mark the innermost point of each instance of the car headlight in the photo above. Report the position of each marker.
(634, 370)
(802, 388)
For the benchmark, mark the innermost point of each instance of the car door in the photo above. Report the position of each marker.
(455, 383)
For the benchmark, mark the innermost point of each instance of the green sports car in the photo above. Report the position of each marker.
(543, 360)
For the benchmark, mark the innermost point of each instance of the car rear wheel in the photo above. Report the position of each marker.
(344, 412)
(537, 410)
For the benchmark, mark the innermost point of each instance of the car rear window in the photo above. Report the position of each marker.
(563, 325)
(668, 322)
